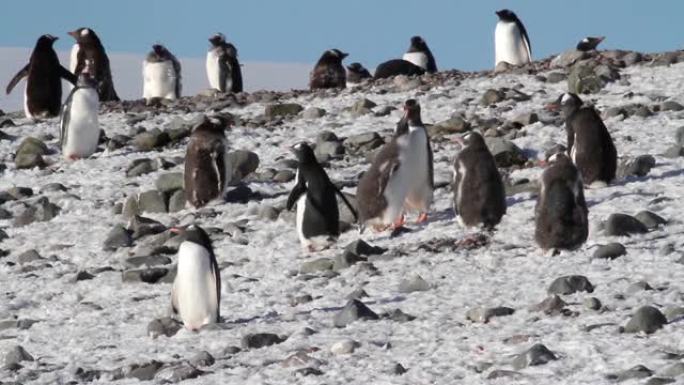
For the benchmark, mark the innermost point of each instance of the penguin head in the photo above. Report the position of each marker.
(412, 112)
(304, 153)
(474, 140)
(333, 56)
(46, 41)
(356, 67)
(194, 234)
(559, 158)
(567, 102)
(506, 15)
(215, 124)
(217, 40)
(418, 44)
(84, 35)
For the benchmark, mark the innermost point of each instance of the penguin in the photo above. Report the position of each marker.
(589, 43)
(396, 67)
(479, 193)
(43, 93)
(89, 47)
(205, 162)
(420, 55)
(329, 72)
(590, 145)
(79, 128)
(402, 165)
(223, 67)
(356, 73)
(161, 74)
(512, 45)
(196, 291)
(561, 211)
(315, 195)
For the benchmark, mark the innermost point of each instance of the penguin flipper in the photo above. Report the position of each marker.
(67, 75)
(297, 191)
(346, 202)
(224, 72)
(236, 74)
(216, 272)
(174, 299)
(17, 78)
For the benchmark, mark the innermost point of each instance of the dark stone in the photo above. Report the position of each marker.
(148, 275)
(83, 276)
(398, 369)
(646, 319)
(141, 166)
(152, 201)
(624, 225)
(346, 259)
(360, 247)
(118, 237)
(142, 226)
(650, 220)
(166, 326)
(144, 372)
(638, 371)
(505, 152)
(610, 251)
(570, 284)
(41, 211)
(536, 355)
(354, 310)
(169, 182)
(552, 305)
(242, 163)
(202, 358)
(282, 110)
(259, 340)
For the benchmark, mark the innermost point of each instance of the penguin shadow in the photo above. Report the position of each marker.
(516, 199)
(617, 195)
(634, 179)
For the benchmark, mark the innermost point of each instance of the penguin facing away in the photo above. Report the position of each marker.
(512, 44)
(419, 54)
(396, 67)
(43, 92)
(418, 158)
(89, 48)
(329, 72)
(356, 73)
(590, 145)
(79, 127)
(196, 291)
(223, 68)
(479, 193)
(561, 211)
(589, 43)
(205, 162)
(161, 75)
(315, 196)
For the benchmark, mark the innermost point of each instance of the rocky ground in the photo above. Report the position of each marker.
(86, 259)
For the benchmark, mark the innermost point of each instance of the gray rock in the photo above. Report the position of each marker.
(140, 167)
(142, 226)
(260, 340)
(526, 118)
(313, 113)
(398, 369)
(362, 107)
(674, 313)
(568, 58)
(536, 355)
(659, 381)
(17, 354)
(118, 237)
(82, 275)
(178, 373)
(152, 201)
(28, 256)
(144, 372)
(505, 152)
(130, 207)
(29, 153)
(638, 371)
(41, 211)
(317, 265)
(202, 358)
(671, 105)
(610, 251)
(326, 150)
(679, 136)
(5, 214)
(117, 141)
(345, 260)
(646, 319)
(674, 370)
(282, 110)
(412, 284)
(551, 305)
(675, 151)
(360, 247)
(52, 188)
(650, 219)
(149, 140)
(639, 166)
(492, 96)
(624, 225)
(638, 286)
(592, 303)
(353, 311)
(485, 314)
(268, 212)
(177, 201)
(453, 125)
(284, 176)
(397, 315)
(148, 260)
(363, 143)
(556, 77)
(570, 284)
(346, 214)
(169, 182)
(501, 373)
(147, 275)
(242, 163)
(583, 79)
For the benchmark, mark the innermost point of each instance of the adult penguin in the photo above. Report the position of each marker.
(79, 127)
(329, 72)
(161, 75)
(88, 48)
(223, 67)
(318, 216)
(512, 44)
(419, 54)
(43, 93)
(396, 67)
(205, 162)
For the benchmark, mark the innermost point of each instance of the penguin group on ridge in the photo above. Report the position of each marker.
(399, 180)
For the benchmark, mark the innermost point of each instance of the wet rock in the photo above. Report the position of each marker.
(15, 355)
(646, 319)
(413, 284)
(41, 211)
(118, 237)
(317, 265)
(313, 113)
(638, 371)
(570, 284)
(141, 166)
(346, 346)
(259, 340)
(551, 305)
(282, 110)
(624, 225)
(152, 201)
(536, 355)
(144, 372)
(650, 219)
(169, 182)
(30, 153)
(353, 311)
(505, 152)
(610, 251)
(28, 256)
(485, 314)
(242, 163)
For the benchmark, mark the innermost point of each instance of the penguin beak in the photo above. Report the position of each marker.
(177, 230)
(73, 34)
(343, 55)
(552, 107)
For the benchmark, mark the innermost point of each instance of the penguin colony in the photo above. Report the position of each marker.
(398, 182)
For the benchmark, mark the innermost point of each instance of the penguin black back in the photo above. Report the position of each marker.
(396, 67)
(418, 44)
(329, 72)
(356, 72)
(91, 49)
(509, 16)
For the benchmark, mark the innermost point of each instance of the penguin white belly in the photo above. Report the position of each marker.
(398, 185)
(195, 287)
(73, 62)
(573, 152)
(213, 69)
(419, 194)
(301, 208)
(462, 170)
(510, 46)
(159, 80)
(82, 130)
(418, 58)
(28, 113)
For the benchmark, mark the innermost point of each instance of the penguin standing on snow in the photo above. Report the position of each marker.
(315, 195)
(510, 39)
(43, 93)
(329, 72)
(223, 67)
(589, 144)
(561, 211)
(419, 159)
(89, 48)
(196, 291)
(205, 162)
(79, 128)
(161, 75)
(356, 73)
(479, 193)
(420, 55)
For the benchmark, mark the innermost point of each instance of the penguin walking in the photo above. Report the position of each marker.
(512, 45)
(561, 211)
(161, 75)
(396, 67)
(196, 291)
(479, 193)
(419, 54)
(89, 48)
(356, 73)
(315, 195)
(43, 93)
(589, 43)
(590, 145)
(79, 128)
(223, 67)
(329, 72)
(205, 162)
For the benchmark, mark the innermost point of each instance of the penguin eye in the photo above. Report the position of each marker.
(565, 98)
(85, 32)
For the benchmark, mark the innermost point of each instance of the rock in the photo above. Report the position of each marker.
(640, 166)
(345, 260)
(242, 163)
(144, 372)
(317, 265)
(313, 113)
(674, 151)
(141, 166)
(284, 176)
(177, 201)
(169, 182)
(29, 153)
(568, 58)
(354, 310)
(638, 286)
(18, 193)
(41, 211)
(397, 315)
(679, 136)
(149, 140)
(282, 110)
(166, 326)
(142, 226)
(570, 284)
(362, 107)
(259, 340)
(551, 305)
(592, 303)
(526, 118)
(82, 275)
(415, 283)
(671, 105)
(346, 346)
(117, 141)
(505, 152)
(584, 80)
(492, 96)
(659, 381)
(28, 256)
(500, 373)
(610, 251)
(178, 373)
(363, 143)
(17, 354)
(624, 225)
(118, 237)
(152, 201)
(326, 150)
(268, 212)
(650, 219)
(674, 313)
(536, 355)
(638, 371)
(646, 319)
(483, 315)
(405, 83)
(556, 77)
(148, 260)
(453, 125)
(202, 358)
(360, 247)
(130, 207)
(674, 370)
(147, 275)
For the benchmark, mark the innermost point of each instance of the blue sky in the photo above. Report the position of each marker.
(460, 33)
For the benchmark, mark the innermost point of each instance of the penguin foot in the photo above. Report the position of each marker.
(422, 218)
(399, 222)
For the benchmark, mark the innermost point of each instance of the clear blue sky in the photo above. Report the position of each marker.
(460, 33)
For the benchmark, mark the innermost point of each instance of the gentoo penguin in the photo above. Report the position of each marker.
(223, 67)
(511, 41)
(479, 193)
(396, 67)
(401, 166)
(589, 43)
(205, 161)
(589, 144)
(196, 291)
(89, 47)
(79, 128)
(356, 73)
(561, 212)
(315, 195)
(161, 74)
(420, 55)
(329, 72)
(43, 93)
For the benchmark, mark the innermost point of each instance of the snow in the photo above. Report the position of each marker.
(101, 323)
